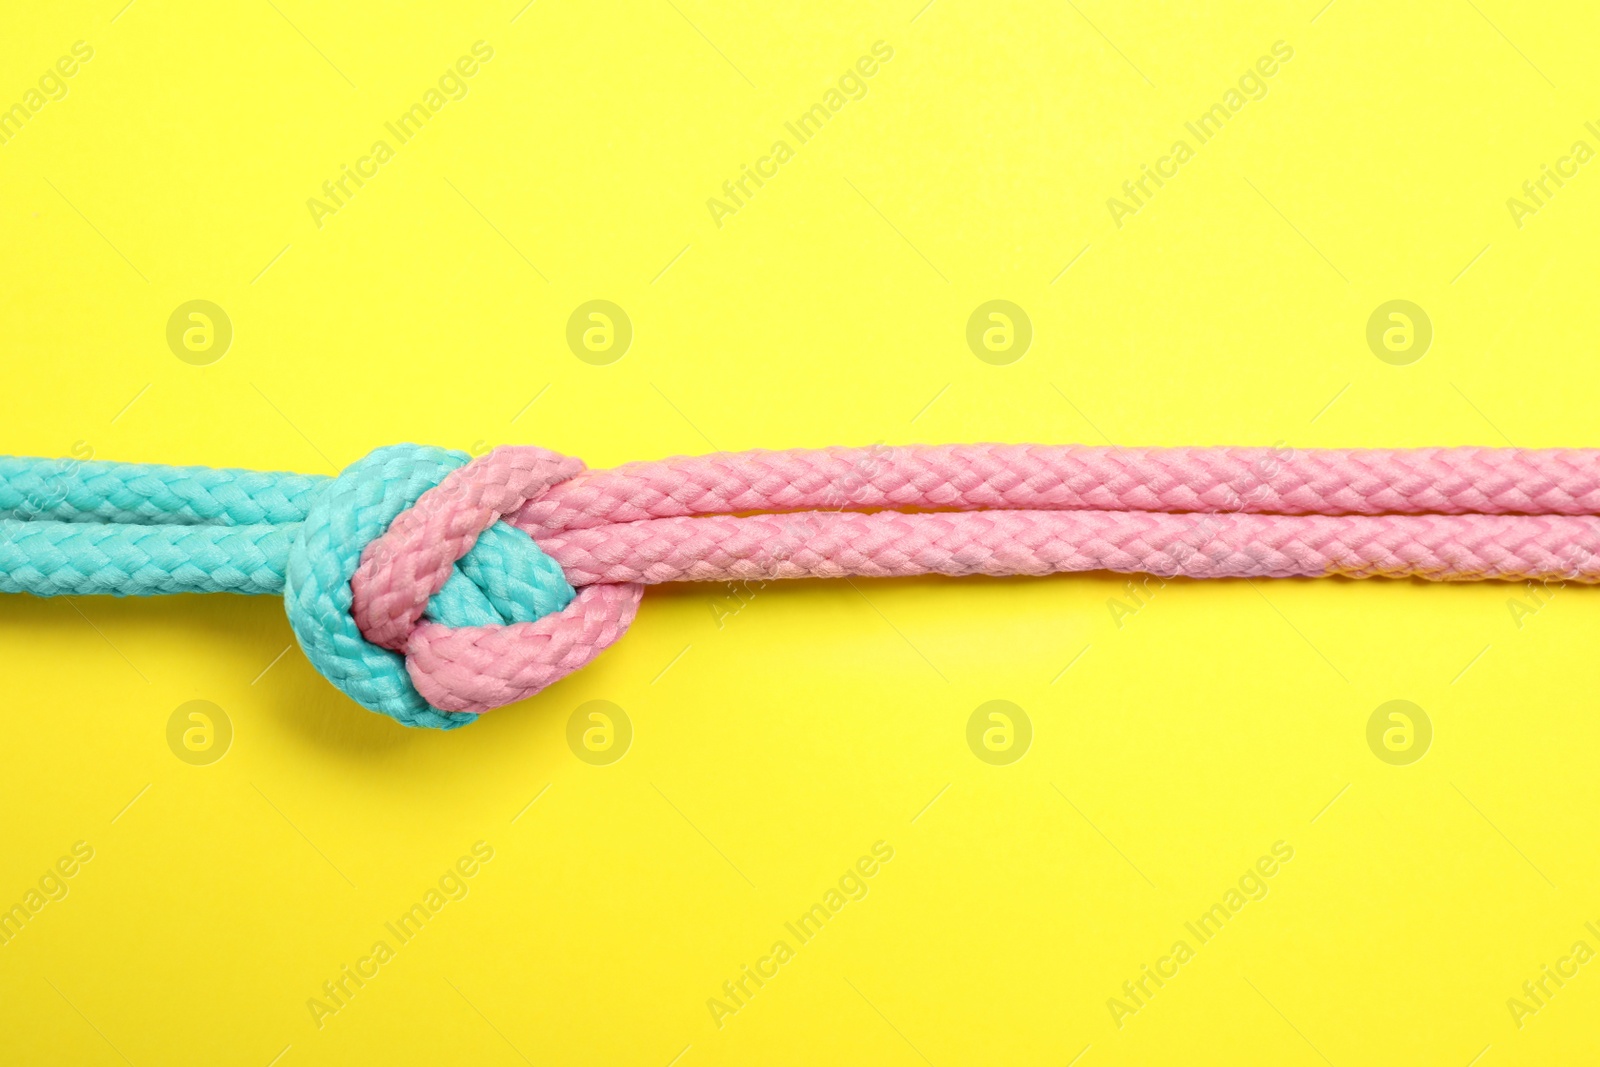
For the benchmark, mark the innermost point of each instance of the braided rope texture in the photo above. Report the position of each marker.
(1441, 481)
(431, 588)
(890, 544)
(99, 491)
(83, 558)
(344, 519)
(475, 668)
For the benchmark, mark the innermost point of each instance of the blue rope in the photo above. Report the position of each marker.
(73, 527)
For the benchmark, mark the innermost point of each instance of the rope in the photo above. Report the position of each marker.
(997, 543)
(431, 588)
(1442, 481)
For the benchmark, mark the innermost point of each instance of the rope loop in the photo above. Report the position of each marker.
(402, 575)
(471, 667)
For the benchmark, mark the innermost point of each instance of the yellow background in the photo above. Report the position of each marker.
(772, 750)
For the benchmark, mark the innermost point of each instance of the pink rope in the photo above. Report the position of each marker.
(1437, 513)
(1443, 481)
(894, 545)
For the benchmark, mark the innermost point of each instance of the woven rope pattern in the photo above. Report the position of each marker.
(474, 668)
(1441, 481)
(344, 519)
(82, 558)
(894, 545)
(432, 588)
(103, 492)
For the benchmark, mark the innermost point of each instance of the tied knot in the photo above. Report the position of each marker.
(407, 590)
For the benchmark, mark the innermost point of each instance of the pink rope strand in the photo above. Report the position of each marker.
(895, 545)
(1438, 513)
(1442, 481)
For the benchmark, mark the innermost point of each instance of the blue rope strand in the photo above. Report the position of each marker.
(83, 527)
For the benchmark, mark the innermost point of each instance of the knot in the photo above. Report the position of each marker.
(408, 592)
